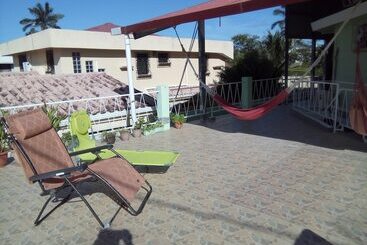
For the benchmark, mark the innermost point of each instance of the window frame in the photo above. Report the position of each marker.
(143, 55)
(77, 66)
(89, 66)
(167, 61)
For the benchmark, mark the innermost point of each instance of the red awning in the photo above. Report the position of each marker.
(207, 10)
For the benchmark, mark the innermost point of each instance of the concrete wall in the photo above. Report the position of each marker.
(61, 38)
(113, 60)
(37, 59)
(109, 53)
(345, 56)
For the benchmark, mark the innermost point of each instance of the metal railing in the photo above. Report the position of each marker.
(265, 89)
(106, 113)
(327, 103)
(190, 105)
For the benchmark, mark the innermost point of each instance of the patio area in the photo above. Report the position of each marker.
(279, 180)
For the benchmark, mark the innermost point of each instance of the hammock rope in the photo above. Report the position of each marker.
(259, 111)
(186, 63)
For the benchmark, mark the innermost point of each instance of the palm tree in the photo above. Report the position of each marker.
(280, 23)
(43, 18)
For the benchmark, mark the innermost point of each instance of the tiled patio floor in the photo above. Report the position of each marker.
(261, 182)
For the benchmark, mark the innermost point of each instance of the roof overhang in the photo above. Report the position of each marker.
(339, 17)
(207, 10)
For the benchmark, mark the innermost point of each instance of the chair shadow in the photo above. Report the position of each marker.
(114, 237)
(308, 237)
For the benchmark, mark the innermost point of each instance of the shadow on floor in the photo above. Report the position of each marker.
(308, 237)
(251, 225)
(285, 124)
(114, 237)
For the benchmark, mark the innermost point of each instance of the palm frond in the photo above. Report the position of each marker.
(43, 18)
(26, 21)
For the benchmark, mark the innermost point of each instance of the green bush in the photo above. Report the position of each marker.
(178, 118)
(4, 144)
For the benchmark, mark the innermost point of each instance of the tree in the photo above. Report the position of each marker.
(43, 18)
(255, 57)
(280, 23)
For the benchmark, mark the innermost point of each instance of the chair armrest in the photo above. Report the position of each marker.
(58, 173)
(94, 150)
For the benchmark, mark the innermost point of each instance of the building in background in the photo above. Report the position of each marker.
(6, 63)
(156, 59)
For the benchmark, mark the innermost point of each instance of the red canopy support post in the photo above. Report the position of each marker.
(202, 65)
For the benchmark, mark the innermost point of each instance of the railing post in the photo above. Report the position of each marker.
(336, 108)
(246, 92)
(163, 106)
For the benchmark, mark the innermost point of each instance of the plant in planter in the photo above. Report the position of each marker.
(124, 134)
(178, 120)
(150, 128)
(4, 145)
(54, 116)
(109, 137)
(69, 141)
(138, 125)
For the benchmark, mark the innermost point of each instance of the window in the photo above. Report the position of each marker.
(76, 62)
(22, 58)
(50, 62)
(101, 69)
(163, 59)
(142, 64)
(89, 66)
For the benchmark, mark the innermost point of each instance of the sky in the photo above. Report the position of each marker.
(83, 14)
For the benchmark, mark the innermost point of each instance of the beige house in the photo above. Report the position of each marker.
(156, 59)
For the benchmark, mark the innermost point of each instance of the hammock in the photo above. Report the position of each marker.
(261, 110)
(254, 112)
(358, 109)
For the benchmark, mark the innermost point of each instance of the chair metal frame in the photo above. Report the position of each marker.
(66, 175)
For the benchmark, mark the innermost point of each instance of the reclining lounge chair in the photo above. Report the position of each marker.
(143, 161)
(45, 160)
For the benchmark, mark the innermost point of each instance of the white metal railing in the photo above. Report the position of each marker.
(325, 102)
(265, 89)
(345, 97)
(189, 103)
(106, 113)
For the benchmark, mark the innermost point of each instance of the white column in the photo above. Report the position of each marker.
(130, 79)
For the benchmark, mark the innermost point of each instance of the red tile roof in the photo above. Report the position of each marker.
(21, 88)
(106, 27)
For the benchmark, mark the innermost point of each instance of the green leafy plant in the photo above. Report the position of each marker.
(70, 141)
(4, 143)
(139, 124)
(178, 118)
(109, 137)
(54, 116)
(151, 126)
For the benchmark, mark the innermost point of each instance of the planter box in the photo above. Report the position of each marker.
(153, 131)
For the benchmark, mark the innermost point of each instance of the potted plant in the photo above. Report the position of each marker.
(54, 116)
(178, 120)
(70, 141)
(4, 146)
(124, 134)
(151, 128)
(109, 137)
(138, 125)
